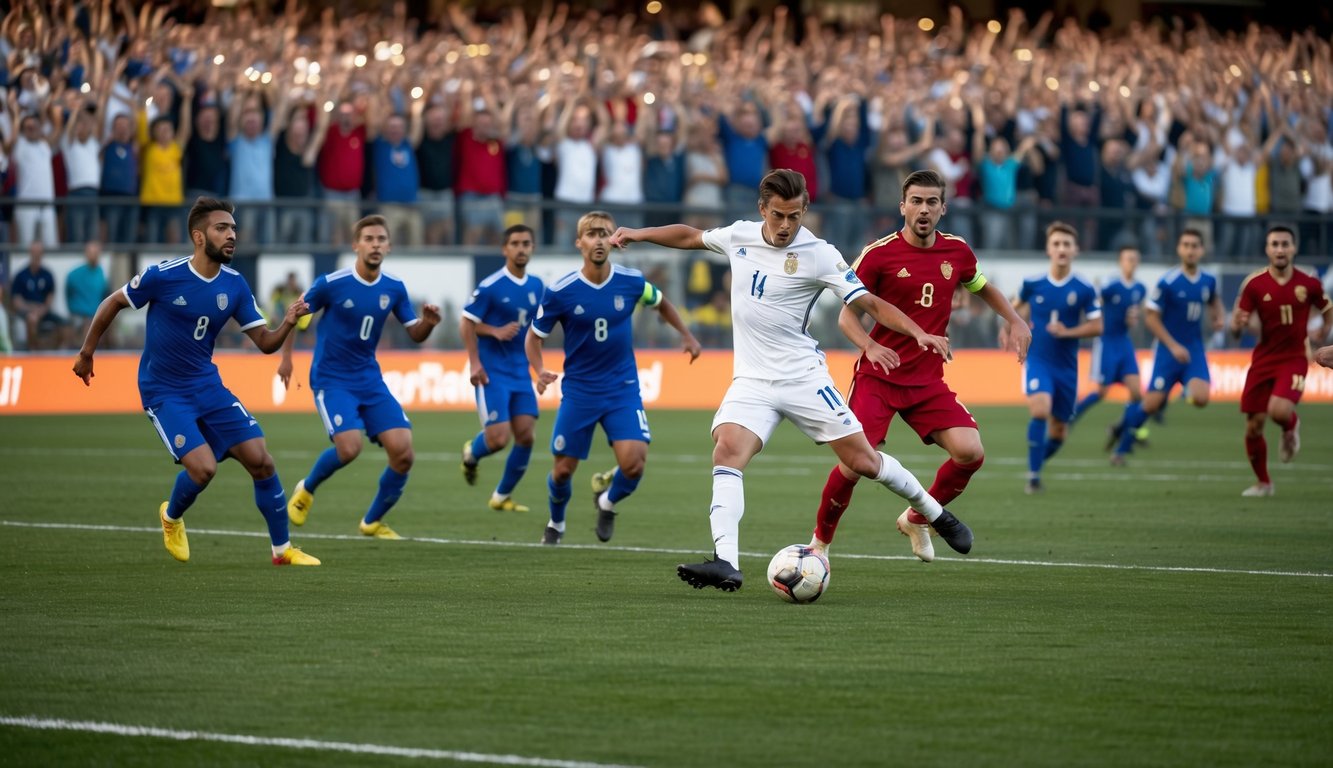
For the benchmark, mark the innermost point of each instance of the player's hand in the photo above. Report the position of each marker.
(881, 357)
(1056, 329)
(1324, 356)
(430, 314)
(1017, 338)
(692, 346)
(1181, 354)
(623, 236)
(285, 373)
(937, 344)
(295, 311)
(479, 377)
(507, 331)
(83, 368)
(545, 379)
(1239, 319)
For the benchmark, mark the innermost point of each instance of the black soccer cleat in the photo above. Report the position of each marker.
(606, 520)
(715, 572)
(954, 532)
(551, 536)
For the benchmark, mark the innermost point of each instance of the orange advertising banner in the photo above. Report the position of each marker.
(438, 381)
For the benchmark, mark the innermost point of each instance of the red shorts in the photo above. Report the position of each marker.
(1285, 379)
(926, 409)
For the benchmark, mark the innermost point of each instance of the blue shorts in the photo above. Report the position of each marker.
(1057, 381)
(1112, 360)
(621, 419)
(500, 401)
(1166, 372)
(374, 410)
(212, 417)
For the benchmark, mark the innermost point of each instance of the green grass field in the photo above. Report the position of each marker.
(1138, 616)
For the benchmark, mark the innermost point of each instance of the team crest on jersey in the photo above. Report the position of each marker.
(134, 281)
(789, 266)
(946, 269)
(532, 297)
(384, 301)
(619, 303)
(1072, 299)
(222, 301)
(180, 441)
(1301, 293)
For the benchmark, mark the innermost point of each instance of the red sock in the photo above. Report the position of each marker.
(1256, 448)
(950, 482)
(832, 503)
(1290, 425)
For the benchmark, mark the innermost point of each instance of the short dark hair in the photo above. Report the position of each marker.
(927, 178)
(152, 127)
(1282, 228)
(784, 184)
(201, 209)
(1059, 227)
(517, 229)
(1127, 247)
(1191, 231)
(373, 220)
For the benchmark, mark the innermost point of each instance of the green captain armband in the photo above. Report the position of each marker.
(976, 283)
(651, 296)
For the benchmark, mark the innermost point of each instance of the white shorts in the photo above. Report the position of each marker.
(813, 404)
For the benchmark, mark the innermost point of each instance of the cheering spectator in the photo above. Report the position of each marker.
(481, 173)
(436, 163)
(251, 149)
(161, 148)
(30, 153)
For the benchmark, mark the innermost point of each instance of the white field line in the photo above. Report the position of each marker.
(669, 551)
(116, 729)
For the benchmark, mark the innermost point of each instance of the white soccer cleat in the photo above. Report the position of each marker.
(1291, 444)
(919, 535)
(1260, 489)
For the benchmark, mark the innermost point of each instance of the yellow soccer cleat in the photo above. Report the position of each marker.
(173, 535)
(602, 480)
(379, 530)
(294, 556)
(506, 505)
(300, 503)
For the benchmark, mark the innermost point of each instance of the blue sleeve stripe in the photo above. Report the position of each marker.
(850, 297)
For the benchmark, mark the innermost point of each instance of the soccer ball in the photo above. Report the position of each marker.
(798, 574)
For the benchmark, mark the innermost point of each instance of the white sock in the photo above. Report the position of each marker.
(900, 481)
(279, 549)
(560, 526)
(604, 501)
(498, 498)
(725, 513)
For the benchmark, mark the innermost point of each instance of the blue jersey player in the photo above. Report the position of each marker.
(1113, 358)
(1176, 310)
(595, 305)
(494, 325)
(1062, 308)
(189, 300)
(345, 377)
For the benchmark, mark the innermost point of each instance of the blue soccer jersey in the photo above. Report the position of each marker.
(599, 346)
(501, 299)
(1118, 298)
(1069, 301)
(186, 311)
(349, 331)
(1181, 301)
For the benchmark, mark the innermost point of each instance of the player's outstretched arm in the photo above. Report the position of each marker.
(680, 236)
(106, 312)
(270, 340)
(849, 322)
(285, 364)
(430, 317)
(532, 345)
(1018, 336)
(893, 318)
(688, 342)
(467, 331)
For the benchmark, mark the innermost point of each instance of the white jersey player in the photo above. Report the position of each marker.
(778, 271)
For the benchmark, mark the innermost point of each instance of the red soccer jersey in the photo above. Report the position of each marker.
(1284, 313)
(920, 282)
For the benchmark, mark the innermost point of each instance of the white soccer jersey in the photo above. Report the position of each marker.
(773, 291)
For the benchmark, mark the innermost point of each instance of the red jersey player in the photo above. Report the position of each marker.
(1282, 297)
(917, 270)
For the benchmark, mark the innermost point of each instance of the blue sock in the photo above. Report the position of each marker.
(1134, 418)
(391, 488)
(1083, 405)
(558, 498)
(272, 503)
(1036, 445)
(182, 495)
(621, 486)
(479, 449)
(515, 466)
(327, 463)
(1052, 445)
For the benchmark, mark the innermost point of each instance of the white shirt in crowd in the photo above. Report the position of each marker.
(83, 164)
(622, 166)
(36, 181)
(576, 171)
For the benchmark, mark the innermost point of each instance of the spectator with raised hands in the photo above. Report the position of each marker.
(30, 151)
(162, 154)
